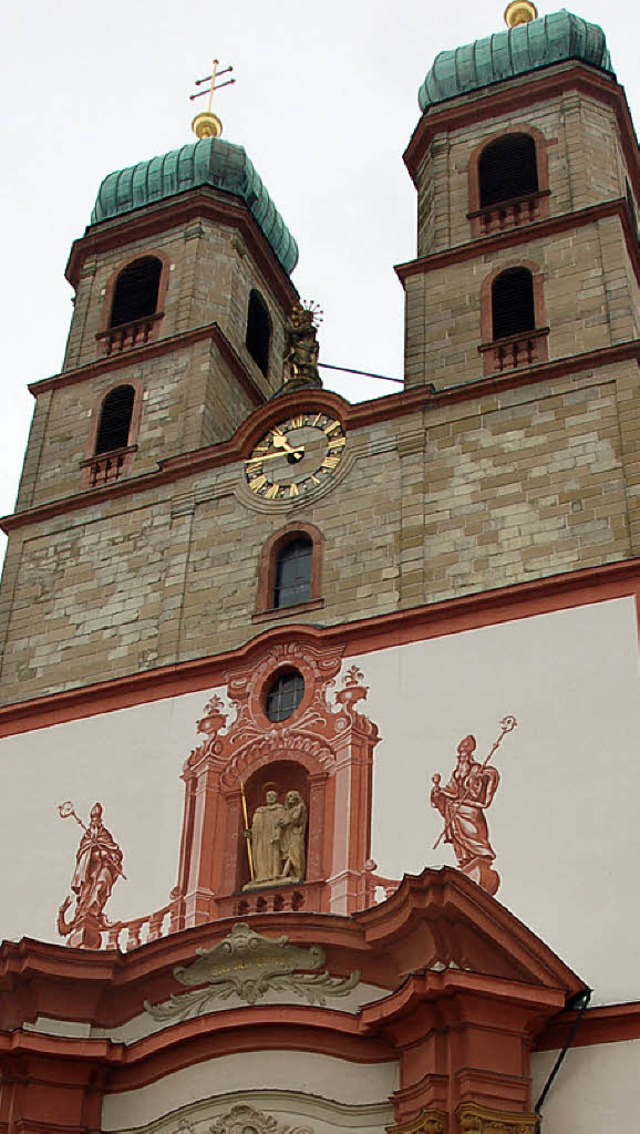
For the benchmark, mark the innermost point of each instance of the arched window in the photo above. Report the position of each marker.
(512, 303)
(508, 169)
(115, 420)
(292, 579)
(258, 339)
(290, 571)
(135, 295)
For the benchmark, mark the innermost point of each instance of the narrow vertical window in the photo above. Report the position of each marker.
(115, 420)
(512, 303)
(292, 581)
(258, 339)
(135, 295)
(508, 169)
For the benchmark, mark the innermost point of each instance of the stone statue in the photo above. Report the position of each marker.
(277, 840)
(301, 349)
(462, 804)
(264, 837)
(293, 828)
(98, 867)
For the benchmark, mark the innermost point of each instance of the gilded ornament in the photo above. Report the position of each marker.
(302, 349)
(520, 12)
(474, 1119)
(206, 125)
(428, 1122)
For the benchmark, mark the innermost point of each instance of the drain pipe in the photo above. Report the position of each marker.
(581, 1002)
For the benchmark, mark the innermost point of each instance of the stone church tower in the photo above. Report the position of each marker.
(322, 717)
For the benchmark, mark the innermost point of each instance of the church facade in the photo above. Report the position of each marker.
(322, 717)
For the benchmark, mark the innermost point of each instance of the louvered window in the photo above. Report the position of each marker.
(512, 303)
(115, 419)
(293, 573)
(258, 339)
(136, 292)
(507, 169)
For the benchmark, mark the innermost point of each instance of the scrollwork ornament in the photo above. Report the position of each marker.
(473, 1119)
(428, 1122)
(249, 965)
(243, 1117)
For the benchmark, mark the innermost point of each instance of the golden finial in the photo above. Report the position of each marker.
(520, 12)
(207, 124)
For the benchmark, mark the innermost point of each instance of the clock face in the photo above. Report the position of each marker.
(295, 457)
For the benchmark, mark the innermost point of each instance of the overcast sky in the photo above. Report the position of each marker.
(325, 103)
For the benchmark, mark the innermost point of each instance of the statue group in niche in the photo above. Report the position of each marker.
(276, 841)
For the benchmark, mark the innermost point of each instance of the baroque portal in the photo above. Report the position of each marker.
(278, 812)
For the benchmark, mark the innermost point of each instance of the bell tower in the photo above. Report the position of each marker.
(525, 164)
(181, 292)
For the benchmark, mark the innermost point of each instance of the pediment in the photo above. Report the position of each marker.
(440, 920)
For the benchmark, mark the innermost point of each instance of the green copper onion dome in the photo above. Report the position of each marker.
(516, 51)
(210, 161)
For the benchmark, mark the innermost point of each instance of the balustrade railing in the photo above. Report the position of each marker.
(509, 214)
(515, 352)
(104, 468)
(117, 339)
(292, 898)
(128, 935)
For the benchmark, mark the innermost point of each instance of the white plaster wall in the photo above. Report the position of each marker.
(130, 760)
(597, 1089)
(564, 821)
(320, 1079)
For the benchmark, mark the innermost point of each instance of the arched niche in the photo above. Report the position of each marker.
(280, 776)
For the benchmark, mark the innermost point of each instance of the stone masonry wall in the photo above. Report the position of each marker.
(590, 301)
(586, 165)
(450, 501)
(189, 400)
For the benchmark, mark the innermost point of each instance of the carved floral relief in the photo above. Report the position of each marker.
(243, 1119)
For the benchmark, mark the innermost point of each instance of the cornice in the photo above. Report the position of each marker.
(202, 203)
(362, 636)
(442, 923)
(543, 229)
(522, 93)
(611, 1023)
(148, 351)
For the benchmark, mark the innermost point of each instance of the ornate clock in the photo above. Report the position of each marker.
(295, 457)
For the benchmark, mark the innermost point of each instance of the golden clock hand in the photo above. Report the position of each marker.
(279, 441)
(297, 453)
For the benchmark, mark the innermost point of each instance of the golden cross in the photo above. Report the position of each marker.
(213, 84)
